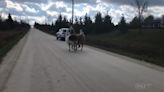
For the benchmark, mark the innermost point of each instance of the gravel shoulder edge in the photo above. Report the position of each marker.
(9, 61)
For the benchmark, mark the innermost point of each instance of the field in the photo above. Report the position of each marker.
(147, 46)
(8, 39)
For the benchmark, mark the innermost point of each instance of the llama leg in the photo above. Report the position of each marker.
(81, 46)
(69, 47)
(76, 47)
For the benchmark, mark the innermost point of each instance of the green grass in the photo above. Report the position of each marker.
(148, 46)
(8, 39)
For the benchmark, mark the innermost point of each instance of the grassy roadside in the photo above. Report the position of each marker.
(8, 39)
(147, 46)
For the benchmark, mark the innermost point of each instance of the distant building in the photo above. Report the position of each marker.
(162, 22)
(156, 23)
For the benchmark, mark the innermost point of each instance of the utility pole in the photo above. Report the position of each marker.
(72, 11)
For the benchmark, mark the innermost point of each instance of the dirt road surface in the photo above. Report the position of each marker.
(45, 65)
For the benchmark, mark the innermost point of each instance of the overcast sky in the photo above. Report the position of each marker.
(48, 10)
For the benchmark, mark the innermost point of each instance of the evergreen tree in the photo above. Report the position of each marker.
(10, 18)
(60, 18)
(10, 22)
(77, 26)
(81, 22)
(148, 22)
(98, 18)
(1, 22)
(108, 25)
(134, 23)
(98, 25)
(61, 22)
(123, 25)
(76, 21)
(87, 24)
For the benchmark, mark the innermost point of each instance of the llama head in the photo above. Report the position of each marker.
(68, 33)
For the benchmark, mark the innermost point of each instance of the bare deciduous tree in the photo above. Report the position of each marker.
(142, 6)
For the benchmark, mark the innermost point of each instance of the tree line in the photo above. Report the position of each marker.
(9, 24)
(99, 25)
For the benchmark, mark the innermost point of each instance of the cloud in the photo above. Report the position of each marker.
(20, 7)
(33, 1)
(52, 13)
(58, 7)
(13, 5)
(130, 2)
(48, 10)
(29, 9)
(158, 11)
(2, 4)
(4, 15)
(79, 1)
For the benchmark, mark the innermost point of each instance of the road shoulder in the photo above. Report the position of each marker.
(9, 61)
(140, 62)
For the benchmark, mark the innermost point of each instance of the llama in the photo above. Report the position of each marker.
(75, 41)
(81, 39)
(71, 40)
